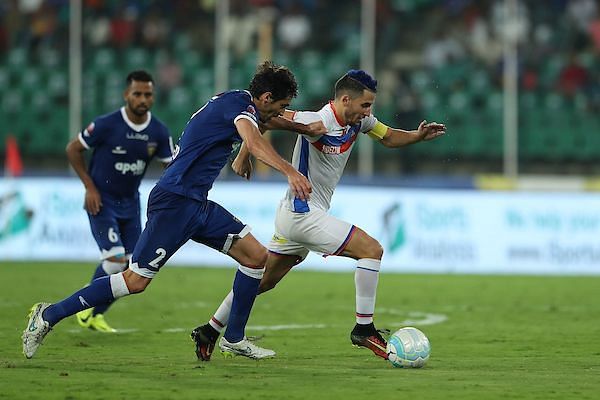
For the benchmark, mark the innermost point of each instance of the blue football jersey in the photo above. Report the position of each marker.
(206, 144)
(122, 151)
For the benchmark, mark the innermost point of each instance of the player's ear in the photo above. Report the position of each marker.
(266, 97)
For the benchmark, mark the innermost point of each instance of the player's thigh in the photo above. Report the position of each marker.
(172, 221)
(130, 228)
(107, 233)
(362, 245)
(315, 230)
(224, 232)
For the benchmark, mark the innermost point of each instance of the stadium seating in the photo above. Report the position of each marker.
(466, 96)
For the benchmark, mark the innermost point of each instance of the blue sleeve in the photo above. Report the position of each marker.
(240, 108)
(165, 145)
(93, 135)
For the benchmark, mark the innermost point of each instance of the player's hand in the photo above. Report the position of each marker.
(93, 201)
(242, 168)
(300, 185)
(430, 130)
(316, 128)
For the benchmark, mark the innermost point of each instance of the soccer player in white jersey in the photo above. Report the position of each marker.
(305, 225)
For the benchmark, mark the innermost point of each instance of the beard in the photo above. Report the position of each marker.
(140, 110)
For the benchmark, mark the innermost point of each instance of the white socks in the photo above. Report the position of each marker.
(112, 267)
(219, 320)
(118, 285)
(365, 280)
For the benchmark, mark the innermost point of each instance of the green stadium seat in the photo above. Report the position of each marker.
(112, 98)
(40, 101)
(57, 83)
(180, 98)
(137, 58)
(420, 80)
(50, 58)
(4, 79)
(12, 101)
(190, 64)
(17, 58)
(104, 60)
(479, 82)
(31, 78)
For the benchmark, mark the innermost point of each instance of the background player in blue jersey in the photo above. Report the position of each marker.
(178, 209)
(123, 144)
(303, 226)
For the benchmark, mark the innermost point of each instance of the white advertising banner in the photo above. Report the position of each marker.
(421, 230)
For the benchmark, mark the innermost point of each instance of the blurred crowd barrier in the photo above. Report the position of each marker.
(435, 60)
(421, 231)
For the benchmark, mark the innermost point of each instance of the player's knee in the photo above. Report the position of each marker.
(257, 259)
(374, 250)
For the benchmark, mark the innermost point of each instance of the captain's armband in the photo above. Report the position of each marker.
(379, 131)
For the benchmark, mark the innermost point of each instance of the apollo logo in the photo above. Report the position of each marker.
(136, 168)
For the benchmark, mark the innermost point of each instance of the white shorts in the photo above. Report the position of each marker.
(316, 231)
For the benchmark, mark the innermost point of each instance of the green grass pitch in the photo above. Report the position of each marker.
(492, 337)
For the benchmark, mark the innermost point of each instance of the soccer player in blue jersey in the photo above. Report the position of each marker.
(302, 226)
(178, 209)
(123, 144)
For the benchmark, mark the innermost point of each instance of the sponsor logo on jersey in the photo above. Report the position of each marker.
(119, 150)
(136, 168)
(330, 149)
(137, 136)
(251, 110)
(152, 148)
(88, 131)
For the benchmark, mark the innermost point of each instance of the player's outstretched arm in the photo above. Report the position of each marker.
(393, 137)
(261, 149)
(286, 123)
(74, 151)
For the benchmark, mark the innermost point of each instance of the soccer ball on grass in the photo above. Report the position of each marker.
(408, 348)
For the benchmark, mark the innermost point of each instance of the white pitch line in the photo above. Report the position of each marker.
(415, 318)
(249, 327)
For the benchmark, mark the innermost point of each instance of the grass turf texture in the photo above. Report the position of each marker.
(504, 337)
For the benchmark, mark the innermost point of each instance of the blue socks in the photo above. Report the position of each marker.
(245, 289)
(99, 273)
(98, 292)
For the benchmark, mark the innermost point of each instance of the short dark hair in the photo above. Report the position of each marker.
(277, 79)
(354, 82)
(139, 76)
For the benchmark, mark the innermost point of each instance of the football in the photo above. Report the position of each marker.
(408, 348)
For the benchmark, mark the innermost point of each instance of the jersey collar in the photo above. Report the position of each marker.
(337, 118)
(135, 127)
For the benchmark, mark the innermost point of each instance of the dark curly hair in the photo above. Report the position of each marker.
(277, 79)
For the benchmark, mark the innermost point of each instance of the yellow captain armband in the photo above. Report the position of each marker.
(379, 131)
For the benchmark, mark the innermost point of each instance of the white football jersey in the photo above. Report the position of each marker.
(323, 159)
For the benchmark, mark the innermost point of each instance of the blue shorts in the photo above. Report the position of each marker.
(173, 220)
(117, 227)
